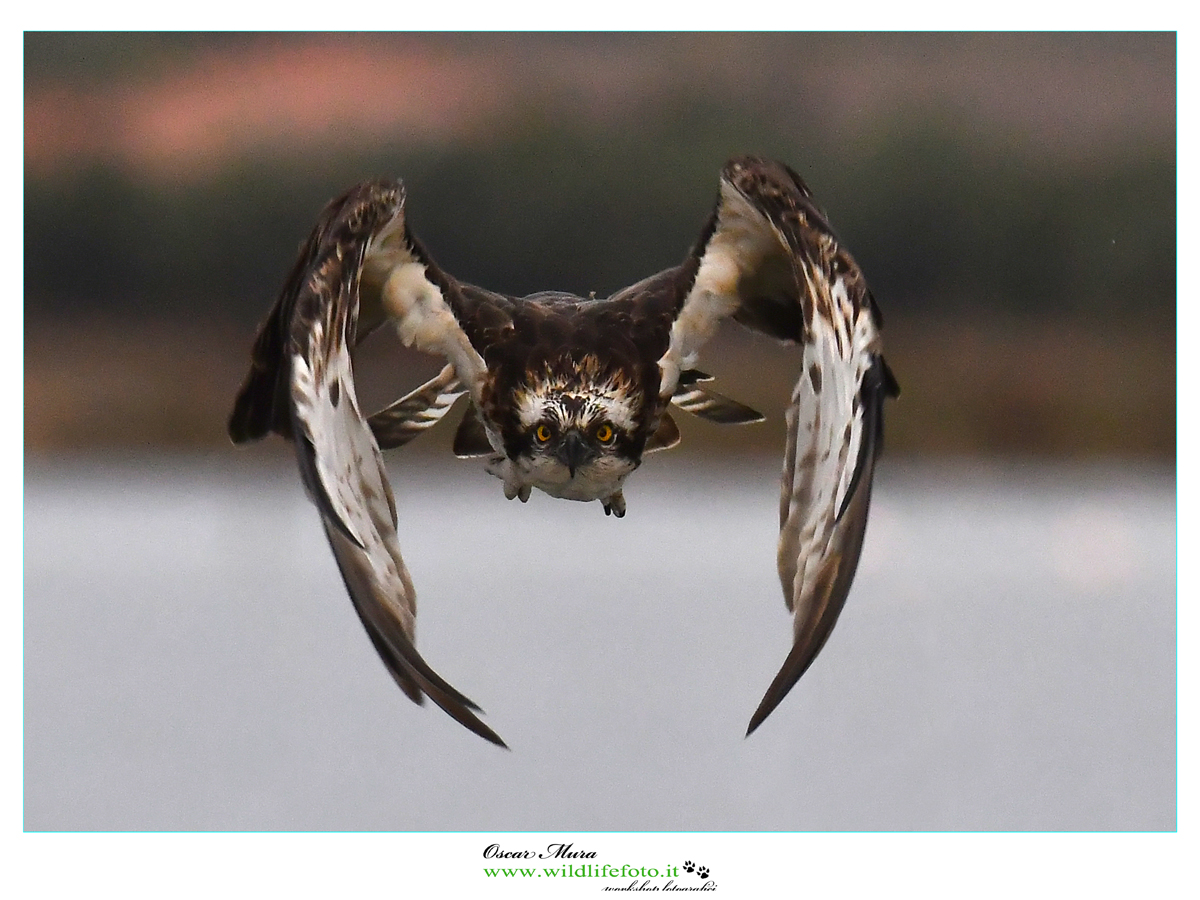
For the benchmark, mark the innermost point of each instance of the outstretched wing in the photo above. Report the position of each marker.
(769, 260)
(359, 268)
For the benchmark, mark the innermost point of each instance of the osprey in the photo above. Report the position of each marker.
(567, 394)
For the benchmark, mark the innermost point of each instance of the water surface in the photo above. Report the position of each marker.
(1006, 660)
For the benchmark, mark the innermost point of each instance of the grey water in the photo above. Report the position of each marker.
(1007, 658)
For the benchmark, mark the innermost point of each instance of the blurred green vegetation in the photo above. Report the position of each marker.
(940, 222)
(1029, 291)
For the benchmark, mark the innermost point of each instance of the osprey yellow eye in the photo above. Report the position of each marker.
(605, 434)
(542, 433)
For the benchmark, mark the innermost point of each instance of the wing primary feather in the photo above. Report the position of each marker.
(307, 454)
(715, 407)
(414, 413)
(818, 602)
(815, 624)
(301, 385)
(394, 645)
(391, 630)
(769, 260)
(874, 389)
(263, 402)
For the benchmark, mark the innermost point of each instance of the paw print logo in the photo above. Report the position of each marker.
(702, 871)
(689, 866)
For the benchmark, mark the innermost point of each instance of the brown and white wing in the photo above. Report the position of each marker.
(769, 260)
(359, 268)
(417, 411)
(691, 395)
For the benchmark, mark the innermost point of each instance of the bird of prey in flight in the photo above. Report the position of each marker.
(566, 394)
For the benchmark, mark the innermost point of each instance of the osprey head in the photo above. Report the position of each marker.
(577, 428)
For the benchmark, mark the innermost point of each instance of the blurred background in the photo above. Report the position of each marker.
(1011, 199)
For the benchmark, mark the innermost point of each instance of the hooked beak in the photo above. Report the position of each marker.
(574, 450)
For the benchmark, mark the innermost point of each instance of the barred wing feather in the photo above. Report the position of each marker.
(340, 461)
(769, 260)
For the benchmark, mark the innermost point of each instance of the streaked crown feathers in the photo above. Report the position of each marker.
(578, 392)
